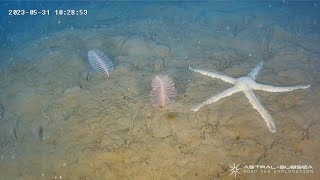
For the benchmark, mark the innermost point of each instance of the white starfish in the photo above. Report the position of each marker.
(246, 84)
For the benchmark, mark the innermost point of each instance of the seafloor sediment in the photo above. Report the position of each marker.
(63, 119)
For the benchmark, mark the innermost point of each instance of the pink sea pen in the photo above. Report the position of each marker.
(163, 91)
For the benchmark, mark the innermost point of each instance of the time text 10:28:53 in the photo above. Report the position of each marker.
(43, 12)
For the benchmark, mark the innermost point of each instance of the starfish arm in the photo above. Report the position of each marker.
(263, 87)
(254, 101)
(255, 71)
(216, 98)
(215, 75)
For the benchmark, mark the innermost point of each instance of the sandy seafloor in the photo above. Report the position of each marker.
(62, 120)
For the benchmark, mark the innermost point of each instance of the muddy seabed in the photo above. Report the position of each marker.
(63, 120)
